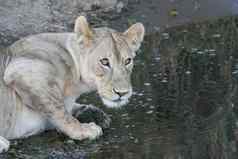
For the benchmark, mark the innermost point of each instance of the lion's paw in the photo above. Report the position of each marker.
(89, 113)
(4, 144)
(89, 131)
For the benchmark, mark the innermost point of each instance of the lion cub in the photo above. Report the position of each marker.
(44, 74)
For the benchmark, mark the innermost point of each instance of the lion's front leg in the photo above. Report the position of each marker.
(70, 126)
(89, 113)
(36, 82)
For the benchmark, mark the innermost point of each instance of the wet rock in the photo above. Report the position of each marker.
(63, 155)
(23, 17)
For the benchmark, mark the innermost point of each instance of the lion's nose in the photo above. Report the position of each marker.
(120, 93)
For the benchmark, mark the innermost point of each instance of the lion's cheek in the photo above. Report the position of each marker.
(99, 71)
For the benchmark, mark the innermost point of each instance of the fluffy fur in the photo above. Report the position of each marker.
(42, 75)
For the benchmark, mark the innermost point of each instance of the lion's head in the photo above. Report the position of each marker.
(107, 59)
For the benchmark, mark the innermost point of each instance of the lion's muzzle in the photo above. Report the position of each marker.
(118, 99)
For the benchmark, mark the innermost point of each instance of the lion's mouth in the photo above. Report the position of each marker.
(115, 103)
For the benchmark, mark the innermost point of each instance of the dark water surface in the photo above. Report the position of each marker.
(160, 14)
(184, 104)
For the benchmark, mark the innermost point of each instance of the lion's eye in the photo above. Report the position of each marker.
(105, 62)
(128, 61)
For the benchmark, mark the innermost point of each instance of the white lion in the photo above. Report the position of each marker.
(42, 75)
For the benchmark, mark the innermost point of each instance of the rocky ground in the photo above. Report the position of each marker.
(19, 18)
(23, 17)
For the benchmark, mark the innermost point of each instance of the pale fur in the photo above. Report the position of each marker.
(43, 75)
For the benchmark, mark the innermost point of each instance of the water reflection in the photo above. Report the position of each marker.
(184, 105)
(194, 90)
(159, 14)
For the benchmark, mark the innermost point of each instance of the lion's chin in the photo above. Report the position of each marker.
(115, 104)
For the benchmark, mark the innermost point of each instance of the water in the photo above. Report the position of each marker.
(184, 104)
(160, 14)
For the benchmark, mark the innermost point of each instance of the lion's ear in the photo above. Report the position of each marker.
(82, 28)
(135, 35)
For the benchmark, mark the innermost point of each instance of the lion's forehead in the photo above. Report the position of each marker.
(114, 43)
(122, 49)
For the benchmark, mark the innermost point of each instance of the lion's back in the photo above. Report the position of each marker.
(8, 100)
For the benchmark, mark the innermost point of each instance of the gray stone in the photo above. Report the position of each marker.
(23, 17)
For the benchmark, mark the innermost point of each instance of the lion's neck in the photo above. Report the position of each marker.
(82, 81)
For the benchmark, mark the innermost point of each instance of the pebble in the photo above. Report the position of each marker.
(155, 75)
(140, 94)
(147, 84)
(211, 50)
(194, 49)
(188, 72)
(157, 58)
(216, 35)
(136, 141)
(200, 52)
(124, 115)
(149, 112)
(165, 35)
(152, 107)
